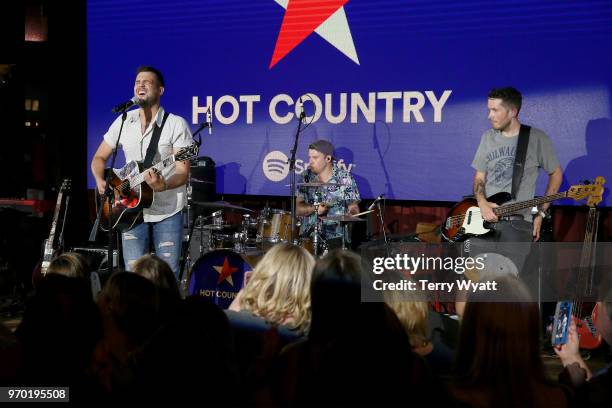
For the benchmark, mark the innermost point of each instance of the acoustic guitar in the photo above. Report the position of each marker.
(131, 193)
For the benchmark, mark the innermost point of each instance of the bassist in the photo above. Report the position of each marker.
(140, 130)
(494, 163)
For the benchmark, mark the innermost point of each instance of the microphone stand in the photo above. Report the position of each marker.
(382, 226)
(185, 248)
(110, 196)
(292, 181)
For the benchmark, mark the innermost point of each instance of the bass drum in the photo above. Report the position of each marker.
(218, 276)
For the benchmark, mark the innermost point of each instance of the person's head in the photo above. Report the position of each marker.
(157, 271)
(129, 304)
(71, 264)
(278, 290)
(604, 321)
(499, 342)
(351, 339)
(60, 327)
(411, 313)
(504, 105)
(320, 156)
(148, 86)
(336, 293)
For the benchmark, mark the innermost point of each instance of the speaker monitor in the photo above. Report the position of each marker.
(202, 179)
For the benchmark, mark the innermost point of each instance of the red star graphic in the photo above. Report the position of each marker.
(301, 19)
(225, 272)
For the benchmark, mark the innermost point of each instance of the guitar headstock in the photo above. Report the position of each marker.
(597, 195)
(593, 191)
(187, 153)
(66, 185)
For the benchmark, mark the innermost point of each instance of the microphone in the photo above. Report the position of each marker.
(124, 106)
(209, 119)
(300, 106)
(376, 200)
(308, 175)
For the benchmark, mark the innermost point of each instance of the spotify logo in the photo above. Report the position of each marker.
(276, 166)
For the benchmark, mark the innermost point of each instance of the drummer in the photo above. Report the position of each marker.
(339, 198)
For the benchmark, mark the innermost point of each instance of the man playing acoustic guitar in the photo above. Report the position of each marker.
(164, 216)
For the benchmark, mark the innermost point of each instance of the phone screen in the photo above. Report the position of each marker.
(563, 316)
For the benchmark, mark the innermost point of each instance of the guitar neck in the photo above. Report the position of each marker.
(521, 205)
(58, 204)
(48, 250)
(159, 166)
(587, 256)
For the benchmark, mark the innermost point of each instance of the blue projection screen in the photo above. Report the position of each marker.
(399, 87)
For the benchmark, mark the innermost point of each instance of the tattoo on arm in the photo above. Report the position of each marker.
(479, 188)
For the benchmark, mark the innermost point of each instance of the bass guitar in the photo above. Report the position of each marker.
(51, 251)
(465, 220)
(131, 193)
(586, 313)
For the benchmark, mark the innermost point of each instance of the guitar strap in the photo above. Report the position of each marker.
(148, 161)
(519, 158)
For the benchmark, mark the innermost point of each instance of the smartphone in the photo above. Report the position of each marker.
(563, 318)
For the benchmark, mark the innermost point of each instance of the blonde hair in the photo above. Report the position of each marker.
(70, 264)
(279, 288)
(411, 313)
(157, 271)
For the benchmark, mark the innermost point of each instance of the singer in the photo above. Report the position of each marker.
(151, 128)
(340, 197)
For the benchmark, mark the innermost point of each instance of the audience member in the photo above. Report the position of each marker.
(356, 352)
(159, 272)
(278, 289)
(58, 334)
(128, 305)
(414, 316)
(498, 358)
(190, 359)
(71, 264)
(591, 389)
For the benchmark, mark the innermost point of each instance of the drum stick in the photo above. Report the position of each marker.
(362, 213)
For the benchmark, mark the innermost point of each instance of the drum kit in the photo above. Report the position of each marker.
(223, 231)
(253, 233)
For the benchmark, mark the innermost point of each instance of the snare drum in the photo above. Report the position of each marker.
(218, 276)
(219, 240)
(274, 227)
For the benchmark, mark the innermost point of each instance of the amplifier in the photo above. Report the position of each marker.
(97, 257)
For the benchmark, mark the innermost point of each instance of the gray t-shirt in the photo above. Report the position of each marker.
(174, 135)
(495, 157)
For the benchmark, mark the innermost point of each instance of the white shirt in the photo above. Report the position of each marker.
(174, 135)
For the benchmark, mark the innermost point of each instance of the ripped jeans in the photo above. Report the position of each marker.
(167, 237)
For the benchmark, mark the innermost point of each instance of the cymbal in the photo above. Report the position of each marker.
(197, 180)
(316, 184)
(220, 205)
(342, 218)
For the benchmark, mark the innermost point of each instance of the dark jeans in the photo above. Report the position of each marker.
(508, 238)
